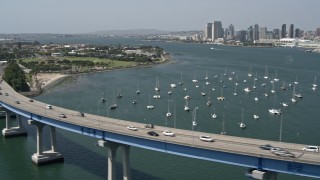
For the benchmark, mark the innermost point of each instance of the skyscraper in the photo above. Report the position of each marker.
(318, 32)
(217, 30)
(208, 31)
(291, 30)
(297, 33)
(250, 34)
(284, 31)
(256, 32)
(231, 31)
(263, 33)
(276, 33)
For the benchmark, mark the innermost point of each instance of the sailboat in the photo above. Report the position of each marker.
(221, 98)
(181, 82)
(203, 93)
(214, 115)
(103, 99)
(225, 71)
(276, 79)
(296, 81)
(272, 90)
(157, 87)
(186, 106)
(275, 111)
(170, 91)
(119, 95)
(266, 73)
(209, 101)
(235, 90)
(150, 106)
(255, 115)
(241, 124)
(194, 78)
(284, 86)
(138, 90)
(254, 84)
(315, 82)
(250, 73)
(168, 113)
(293, 99)
(114, 105)
(223, 131)
(194, 121)
(207, 77)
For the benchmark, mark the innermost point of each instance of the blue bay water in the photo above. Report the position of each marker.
(84, 160)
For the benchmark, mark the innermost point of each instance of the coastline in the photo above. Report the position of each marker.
(42, 82)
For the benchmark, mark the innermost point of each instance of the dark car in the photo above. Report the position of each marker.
(152, 133)
(149, 126)
(266, 147)
(30, 100)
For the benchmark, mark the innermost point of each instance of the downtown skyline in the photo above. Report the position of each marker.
(81, 16)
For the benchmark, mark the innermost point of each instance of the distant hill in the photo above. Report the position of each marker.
(129, 32)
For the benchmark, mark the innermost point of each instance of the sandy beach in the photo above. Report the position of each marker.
(46, 80)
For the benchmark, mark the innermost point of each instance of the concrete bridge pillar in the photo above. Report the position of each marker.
(45, 157)
(13, 131)
(112, 148)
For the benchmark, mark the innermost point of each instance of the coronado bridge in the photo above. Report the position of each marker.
(113, 134)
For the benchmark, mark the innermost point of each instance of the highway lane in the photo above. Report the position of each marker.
(224, 143)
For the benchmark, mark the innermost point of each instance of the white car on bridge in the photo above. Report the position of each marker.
(206, 138)
(311, 148)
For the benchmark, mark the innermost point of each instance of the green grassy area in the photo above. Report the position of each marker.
(114, 63)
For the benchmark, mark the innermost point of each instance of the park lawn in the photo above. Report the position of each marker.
(115, 63)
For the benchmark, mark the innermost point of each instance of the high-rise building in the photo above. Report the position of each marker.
(291, 30)
(297, 33)
(256, 32)
(241, 35)
(276, 34)
(231, 31)
(283, 31)
(208, 31)
(263, 33)
(217, 30)
(318, 32)
(250, 34)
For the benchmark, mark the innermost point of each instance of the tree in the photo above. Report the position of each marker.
(15, 77)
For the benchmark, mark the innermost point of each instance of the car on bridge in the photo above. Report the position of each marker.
(6, 94)
(48, 106)
(311, 148)
(168, 133)
(150, 126)
(266, 147)
(17, 102)
(30, 100)
(152, 133)
(62, 115)
(132, 128)
(206, 138)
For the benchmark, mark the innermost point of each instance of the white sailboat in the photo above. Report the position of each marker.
(168, 113)
(214, 115)
(186, 106)
(241, 124)
(103, 99)
(181, 82)
(194, 119)
(138, 89)
(194, 78)
(284, 86)
(273, 90)
(276, 79)
(209, 101)
(235, 90)
(207, 77)
(254, 84)
(114, 105)
(296, 81)
(314, 85)
(221, 98)
(157, 87)
(266, 73)
(293, 99)
(255, 115)
(203, 93)
(275, 111)
(150, 106)
(250, 73)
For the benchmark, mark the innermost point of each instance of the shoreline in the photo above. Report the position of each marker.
(49, 80)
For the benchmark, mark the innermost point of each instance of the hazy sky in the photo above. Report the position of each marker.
(82, 16)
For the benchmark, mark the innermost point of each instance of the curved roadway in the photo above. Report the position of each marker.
(224, 143)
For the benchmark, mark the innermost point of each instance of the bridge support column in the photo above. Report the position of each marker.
(13, 131)
(45, 157)
(112, 148)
